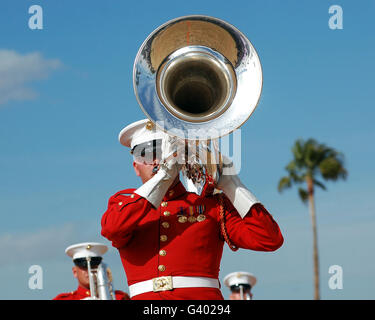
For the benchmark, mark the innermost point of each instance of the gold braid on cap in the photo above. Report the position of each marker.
(223, 228)
(109, 274)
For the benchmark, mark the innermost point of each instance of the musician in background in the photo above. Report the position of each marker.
(171, 241)
(79, 253)
(240, 284)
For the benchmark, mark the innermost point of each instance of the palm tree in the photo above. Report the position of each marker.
(310, 160)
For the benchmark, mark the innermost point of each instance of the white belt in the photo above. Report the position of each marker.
(169, 283)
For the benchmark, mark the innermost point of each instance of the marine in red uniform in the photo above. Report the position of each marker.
(240, 284)
(78, 253)
(84, 293)
(171, 241)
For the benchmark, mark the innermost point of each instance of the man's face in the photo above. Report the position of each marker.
(236, 295)
(82, 276)
(146, 157)
(144, 171)
(80, 270)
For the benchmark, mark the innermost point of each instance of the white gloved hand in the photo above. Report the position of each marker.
(155, 188)
(241, 198)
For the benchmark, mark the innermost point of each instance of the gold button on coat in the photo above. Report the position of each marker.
(162, 252)
(163, 238)
(161, 267)
(164, 204)
(165, 225)
(166, 213)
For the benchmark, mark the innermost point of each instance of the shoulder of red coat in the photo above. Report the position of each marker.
(64, 296)
(125, 192)
(124, 197)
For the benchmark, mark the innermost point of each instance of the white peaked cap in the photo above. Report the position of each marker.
(86, 249)
(240, 277)
(139, 132)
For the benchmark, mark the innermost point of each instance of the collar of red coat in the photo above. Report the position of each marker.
(175, 192)
(83, 291)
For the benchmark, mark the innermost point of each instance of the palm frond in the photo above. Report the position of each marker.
(292, 166)
(319, 184)
(297, 178)
(332, 168)
(298, 153)
(303, 194)
(284, 183)
(311, 159)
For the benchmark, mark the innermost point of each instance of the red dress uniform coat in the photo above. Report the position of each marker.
(82, 293)
(153, 243)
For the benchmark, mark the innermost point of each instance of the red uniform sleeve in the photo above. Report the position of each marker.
(256, 231)
(122, 217)
(120, 295)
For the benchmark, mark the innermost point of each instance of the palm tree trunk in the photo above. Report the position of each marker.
(310, 188)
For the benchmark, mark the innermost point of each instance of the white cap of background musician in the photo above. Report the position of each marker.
(86, 249)
(240, 278)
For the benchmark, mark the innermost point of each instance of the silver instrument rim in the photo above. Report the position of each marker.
(248, 73)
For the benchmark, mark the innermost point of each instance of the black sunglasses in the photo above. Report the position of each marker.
(82, 262)
(236, 288)
(147, 151)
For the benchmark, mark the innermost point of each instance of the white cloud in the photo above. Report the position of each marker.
(34, 246)
(17, 70)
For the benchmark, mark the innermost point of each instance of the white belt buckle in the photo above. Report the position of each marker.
(162, 284)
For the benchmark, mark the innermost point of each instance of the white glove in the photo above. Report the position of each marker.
(155, 188)
(241, 198)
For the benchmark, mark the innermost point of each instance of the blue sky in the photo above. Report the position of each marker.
(69, 92)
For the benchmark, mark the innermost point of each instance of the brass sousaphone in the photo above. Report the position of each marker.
(198, 78)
